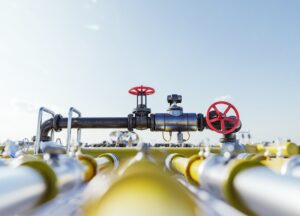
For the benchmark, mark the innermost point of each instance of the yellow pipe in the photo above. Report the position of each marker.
(251, 148)
(189, 167)
(93, 165)
(288, 149)
(180, 164)
(90, 166)
(143, 189)
(274, 164)
(194, 170)
(47, 180)
(157, 152)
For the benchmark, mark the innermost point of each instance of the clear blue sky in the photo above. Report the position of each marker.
(87, 54)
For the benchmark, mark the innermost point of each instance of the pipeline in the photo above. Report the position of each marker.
(292, 167)
(188, 167)
(36, 182)
(143, 189)
(20, 189)
(284, 166)
(287, 149)
(247, 185)
(58, 122)
(253, 184)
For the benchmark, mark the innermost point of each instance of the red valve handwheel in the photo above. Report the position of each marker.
(222, 117)
(141, 90)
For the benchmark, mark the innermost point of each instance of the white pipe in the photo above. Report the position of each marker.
(266, 193)
(70, 175)
(292, 167)
(20, 189)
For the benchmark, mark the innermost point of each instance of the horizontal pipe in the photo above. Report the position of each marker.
(287, 149)
(72, 173)
(292, 167)
(274, 164)
(35, 182)
(185, 122)
(250, 187)
(143, 189)
(266, 193)
(69, 174)
(20, 189)
(210, 204)
(188, 167)
(110, 122)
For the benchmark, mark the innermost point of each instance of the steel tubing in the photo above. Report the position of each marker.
(20, 189)
(109, 122)
(263, 191)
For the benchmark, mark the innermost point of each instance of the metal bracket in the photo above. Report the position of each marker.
(38, 131)
(70, 116)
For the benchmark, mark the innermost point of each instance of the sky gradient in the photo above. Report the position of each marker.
(87, 54)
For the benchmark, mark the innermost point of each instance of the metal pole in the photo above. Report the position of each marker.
(38, 130)
(69, 126)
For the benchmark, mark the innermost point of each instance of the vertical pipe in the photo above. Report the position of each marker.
(38, 130)
(72, 109)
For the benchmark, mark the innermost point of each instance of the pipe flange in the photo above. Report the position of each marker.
(152, 122)
(188, 168)
(55, 121)
(130, 122)
(201, 125)
(92, 164)
(49, 177)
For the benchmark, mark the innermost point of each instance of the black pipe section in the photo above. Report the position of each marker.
(139, 121)
(58, 123)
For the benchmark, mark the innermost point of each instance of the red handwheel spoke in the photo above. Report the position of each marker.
(214, 120)
(223, 128)
(216, 109)
(231, 120)
(227, 110)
